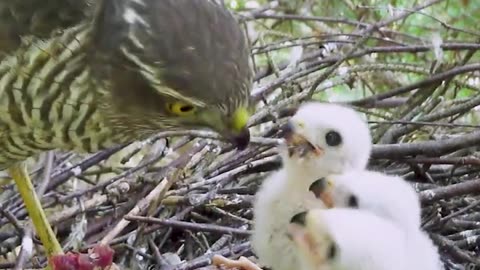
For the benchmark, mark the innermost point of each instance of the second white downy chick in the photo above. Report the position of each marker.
(322, 139)
(341, 238)
(389, 197)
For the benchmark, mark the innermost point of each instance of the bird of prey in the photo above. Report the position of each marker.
(342, 238)
(321, 139)
(388, 197)
(87, 75)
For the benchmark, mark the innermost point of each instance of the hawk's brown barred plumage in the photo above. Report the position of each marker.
(39, 18)
(87, 74)
(111, 78)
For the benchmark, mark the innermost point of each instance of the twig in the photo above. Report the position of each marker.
(468, 187)
(190, 226)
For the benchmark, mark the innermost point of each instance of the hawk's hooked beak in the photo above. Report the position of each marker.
(241, 135)
(242, 139)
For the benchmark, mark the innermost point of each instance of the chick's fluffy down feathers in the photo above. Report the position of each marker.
(393, 199)
(313, 121)
(276, 203)
(361, 240)
(390, 197)
(285, 192)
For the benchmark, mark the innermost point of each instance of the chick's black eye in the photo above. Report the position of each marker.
(352, 201)
(333, 138)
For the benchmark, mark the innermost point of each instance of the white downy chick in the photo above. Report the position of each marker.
(339, 134)
(342, 238)
(389, 197)
(322, 139)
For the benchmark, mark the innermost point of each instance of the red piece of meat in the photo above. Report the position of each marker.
(100, 256)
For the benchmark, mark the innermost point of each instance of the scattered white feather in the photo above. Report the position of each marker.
(77, 171)
(342, 71)
(27, 245)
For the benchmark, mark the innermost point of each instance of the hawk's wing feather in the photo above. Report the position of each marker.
(38, 18)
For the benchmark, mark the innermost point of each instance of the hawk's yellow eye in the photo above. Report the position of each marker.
(180, 108)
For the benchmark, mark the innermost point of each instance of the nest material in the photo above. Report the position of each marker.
(186, 195)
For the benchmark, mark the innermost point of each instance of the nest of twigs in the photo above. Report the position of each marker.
(174, 200)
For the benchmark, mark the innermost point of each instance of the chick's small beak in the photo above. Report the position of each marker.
(327, 199)
(297, 143)
(299, 218)
(321, 190)
(319, 186)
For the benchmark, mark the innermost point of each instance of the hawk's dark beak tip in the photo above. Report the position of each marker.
(242, 140)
